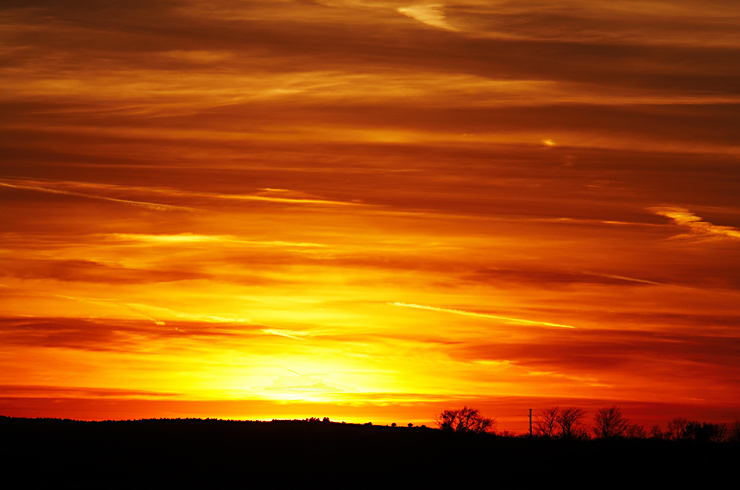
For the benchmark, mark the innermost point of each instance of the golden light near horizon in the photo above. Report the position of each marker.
(368, 210)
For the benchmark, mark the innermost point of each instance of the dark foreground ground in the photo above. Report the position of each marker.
(50, 453)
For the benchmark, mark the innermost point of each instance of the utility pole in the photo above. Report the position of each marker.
(530, 422)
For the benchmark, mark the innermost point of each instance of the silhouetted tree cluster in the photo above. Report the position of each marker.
(465, 420)
(635, 431)
(681, 428)
(311, 419)
(566, 423)
(609, 423)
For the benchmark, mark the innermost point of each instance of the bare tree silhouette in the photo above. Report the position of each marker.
(676, 428)
(610, 423)
(546, 422)
(733, 431)
(465, 420)
(570, 422)
(635, 431)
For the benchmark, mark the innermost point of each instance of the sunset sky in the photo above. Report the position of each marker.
(369, 210)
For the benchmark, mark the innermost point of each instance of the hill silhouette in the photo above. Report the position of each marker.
(195, 452)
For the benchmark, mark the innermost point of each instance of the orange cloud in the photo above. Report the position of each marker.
(432, 15)
(698, 228)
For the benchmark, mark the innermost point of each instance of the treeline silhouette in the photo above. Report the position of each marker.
(217, 453)
(609, 423)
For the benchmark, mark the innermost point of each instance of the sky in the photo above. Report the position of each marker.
(369, 210)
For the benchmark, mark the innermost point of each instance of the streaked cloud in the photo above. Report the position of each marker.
(148, 205)
(95, 335)
(483, 315)
(291, 334)
(90, 271)
(266, 195)
(623, 278)
(186, 238)
(187, 316)
(37, 391)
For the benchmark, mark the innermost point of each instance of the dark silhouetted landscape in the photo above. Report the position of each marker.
(195, 452)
